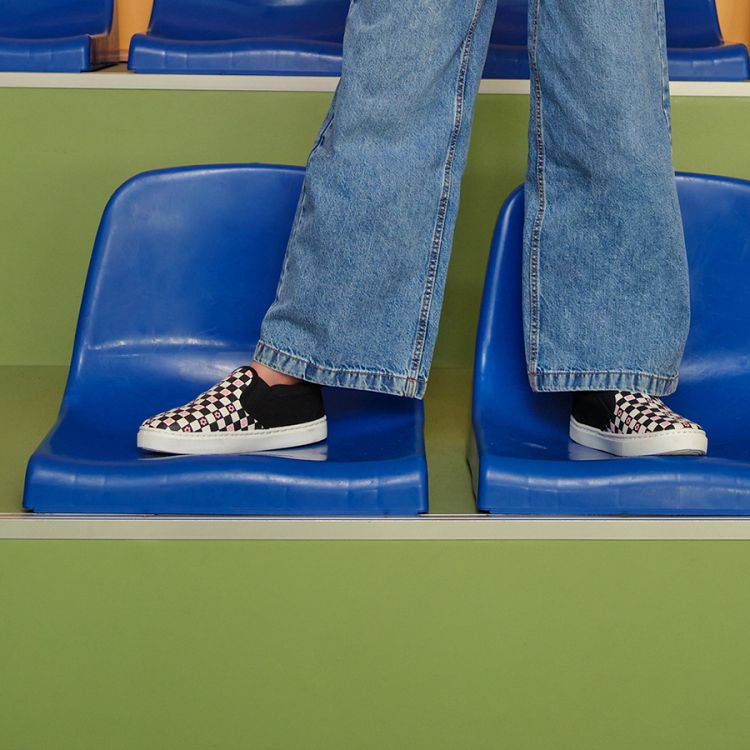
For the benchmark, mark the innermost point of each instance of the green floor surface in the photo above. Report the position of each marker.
(374, 645)
(447, 410)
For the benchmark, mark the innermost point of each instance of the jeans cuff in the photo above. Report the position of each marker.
(363, 380)
(603, 380)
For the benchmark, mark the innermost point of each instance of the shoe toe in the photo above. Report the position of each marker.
(218, 409)
(681, 424)
(161, 421)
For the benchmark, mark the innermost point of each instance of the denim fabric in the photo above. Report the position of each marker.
(605, 283)
(606, 295)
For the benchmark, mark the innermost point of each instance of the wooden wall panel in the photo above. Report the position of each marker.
(735, 20)
(132, 18)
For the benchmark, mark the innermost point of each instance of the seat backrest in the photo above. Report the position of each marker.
(40, 19)
(511, 23)
(690, 23)
(716, 216)
(320, 20)
(186, 262)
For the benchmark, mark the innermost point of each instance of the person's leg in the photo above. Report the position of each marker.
(606, 296)
(361, 288)
(360, 294)
(605, 289)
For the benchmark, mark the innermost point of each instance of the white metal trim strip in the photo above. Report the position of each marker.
(178, 82)
(425, 528)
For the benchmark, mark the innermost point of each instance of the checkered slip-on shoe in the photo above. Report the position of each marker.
(240, 414)
(633, 424)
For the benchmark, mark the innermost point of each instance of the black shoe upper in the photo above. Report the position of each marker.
(282, 405)
(594, 408)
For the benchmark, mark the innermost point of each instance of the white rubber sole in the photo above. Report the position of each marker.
(250, 441)
(682, 442)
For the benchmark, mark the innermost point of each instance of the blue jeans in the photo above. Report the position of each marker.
(605, 285)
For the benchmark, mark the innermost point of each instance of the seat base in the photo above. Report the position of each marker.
(371, 464)
(75, 54)
(153, 54)
(537, 470)
(729, 62)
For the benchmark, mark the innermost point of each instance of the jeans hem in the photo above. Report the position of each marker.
(603, 380)
(339, 377)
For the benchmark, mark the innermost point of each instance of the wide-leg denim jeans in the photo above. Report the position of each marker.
(605, 285)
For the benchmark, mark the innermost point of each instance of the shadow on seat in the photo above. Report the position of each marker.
(56, 36)
(185, 264)
(696, 48)
(520, 456)
(262, 37)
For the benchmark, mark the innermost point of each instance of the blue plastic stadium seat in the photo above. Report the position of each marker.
(508, 55)
(697, 51)
(304, 37)
(521, 458)
(185, 264)
(56, 36)
(264, 37)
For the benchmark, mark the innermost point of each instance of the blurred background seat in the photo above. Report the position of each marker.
(696, 48)
(264, 37)
(304, 37)
(56, 36)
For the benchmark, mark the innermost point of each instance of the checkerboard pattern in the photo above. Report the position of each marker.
(216, 410)
(638, 413)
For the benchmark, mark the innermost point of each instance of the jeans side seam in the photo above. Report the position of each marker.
(663, 64)
(536, 232)
(300, 212)
(437, 238)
